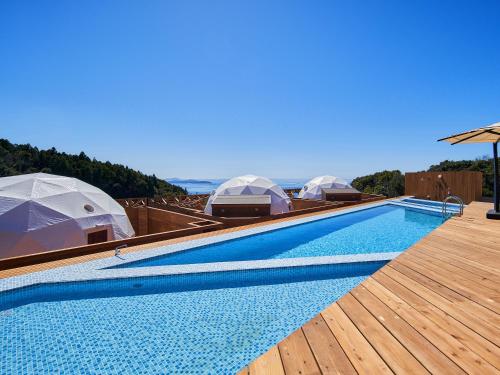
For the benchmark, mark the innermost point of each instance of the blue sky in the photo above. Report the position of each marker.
(279, 88)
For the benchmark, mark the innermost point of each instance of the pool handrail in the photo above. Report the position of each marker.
(456, 199)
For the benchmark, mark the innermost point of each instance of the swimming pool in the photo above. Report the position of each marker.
(385, 228)
(210, 306)
(211, 323)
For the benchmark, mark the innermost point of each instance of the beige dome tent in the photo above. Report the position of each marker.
(314, 188)
(41, 212)
(249, 185)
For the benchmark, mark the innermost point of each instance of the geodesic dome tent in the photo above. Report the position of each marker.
(41, 212)
(314, 188)
(252, 185)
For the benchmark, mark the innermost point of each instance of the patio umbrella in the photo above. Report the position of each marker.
(487, 134)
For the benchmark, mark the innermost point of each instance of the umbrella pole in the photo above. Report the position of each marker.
(495, 213)
(495, 171)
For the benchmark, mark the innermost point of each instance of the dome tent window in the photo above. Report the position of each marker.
(88, 208)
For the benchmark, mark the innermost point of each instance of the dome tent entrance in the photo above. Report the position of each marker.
(41, 212)
(249, 185)
(314, 188)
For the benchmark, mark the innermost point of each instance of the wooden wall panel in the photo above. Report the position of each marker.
(437, 185)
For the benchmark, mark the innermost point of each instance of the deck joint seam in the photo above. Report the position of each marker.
(364, 336)
(338, 342)
(439, 308)
(310, 348)
(430, 319)
(406, 266)
(422, 263)
(425, 256)
(453, 290)
(425, 318)
(400, 342)
(459, 259)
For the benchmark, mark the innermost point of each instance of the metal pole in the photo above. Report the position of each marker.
(496, 193)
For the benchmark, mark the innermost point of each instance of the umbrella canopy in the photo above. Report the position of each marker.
(252, 185)
(487, 134)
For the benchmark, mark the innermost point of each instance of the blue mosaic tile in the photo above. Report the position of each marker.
(216, 327)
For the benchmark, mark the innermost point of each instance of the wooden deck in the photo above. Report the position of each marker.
(434, 309)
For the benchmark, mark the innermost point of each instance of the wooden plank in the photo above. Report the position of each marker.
(467, 336)
(478, 269)
(478, 255)
(433, 291)
(458, 304)
(394, 354)
(296, 355)
(268, 363)
(452, 281)
(465, 235)
(433, 359)
(453, 277)
(480, 231)
(444, 341)
(326, 349)
(430, 283)
(359, 351)
(449, 236)
(457, 257)
(472, 238)
(450, 265)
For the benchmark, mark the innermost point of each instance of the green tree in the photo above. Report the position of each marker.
(388, 183)
(117, 180)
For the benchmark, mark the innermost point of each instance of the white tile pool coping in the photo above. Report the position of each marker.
(96, 269)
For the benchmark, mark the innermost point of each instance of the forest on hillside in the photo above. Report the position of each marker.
(392, 183)
(388, 183)
(117, 180)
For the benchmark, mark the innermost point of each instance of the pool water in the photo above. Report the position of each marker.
(385, 228)
(213, 323)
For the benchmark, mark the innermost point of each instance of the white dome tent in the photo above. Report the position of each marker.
(252, 185)
(41, 212)
(313, 189)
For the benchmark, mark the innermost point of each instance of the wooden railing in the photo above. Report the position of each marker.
(133, 202)
(194, 202)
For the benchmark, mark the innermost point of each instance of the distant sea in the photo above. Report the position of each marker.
(206, 186)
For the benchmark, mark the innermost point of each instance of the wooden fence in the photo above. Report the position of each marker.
(437, 185)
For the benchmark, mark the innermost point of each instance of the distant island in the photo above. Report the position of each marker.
(187, 181)
(117, 180)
